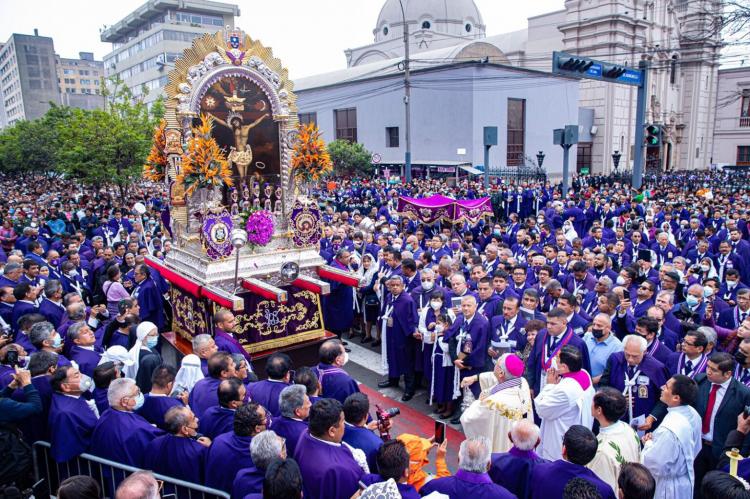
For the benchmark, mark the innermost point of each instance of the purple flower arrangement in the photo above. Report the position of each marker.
(259, 228)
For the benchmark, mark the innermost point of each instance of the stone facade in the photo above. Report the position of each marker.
(732, 129)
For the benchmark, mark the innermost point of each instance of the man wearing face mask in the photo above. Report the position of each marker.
(601, 344)
(182, 452)
(421, 294)
(71, 418)
(44, 337)
(334, 380)
(731, 286)
(742, 357)
(732, 318)
(121, 435)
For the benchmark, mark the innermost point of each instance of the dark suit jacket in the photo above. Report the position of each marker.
(534, 362)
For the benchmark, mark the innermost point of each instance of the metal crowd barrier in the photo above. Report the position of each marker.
(109, 474)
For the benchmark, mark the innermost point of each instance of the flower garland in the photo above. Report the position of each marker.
(156, 163)
(310, 158)
(259, 228)
(204, 163)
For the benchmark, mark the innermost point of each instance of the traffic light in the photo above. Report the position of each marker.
(575, 64)
(653, 135)
(614, 72)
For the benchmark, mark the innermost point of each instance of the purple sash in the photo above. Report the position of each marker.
(511, 383)
(547, 360)
(696, 369)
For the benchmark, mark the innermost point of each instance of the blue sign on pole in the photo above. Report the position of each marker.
(595, 70)
(631, 76)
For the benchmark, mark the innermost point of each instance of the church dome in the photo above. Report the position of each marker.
(456, 18)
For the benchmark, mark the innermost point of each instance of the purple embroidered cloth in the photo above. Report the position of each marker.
(436, 208)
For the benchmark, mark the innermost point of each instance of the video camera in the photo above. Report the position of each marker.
(385, 415)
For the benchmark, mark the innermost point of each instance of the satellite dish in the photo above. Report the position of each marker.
(139, 208)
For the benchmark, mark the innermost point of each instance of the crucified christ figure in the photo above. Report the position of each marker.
(241, 154)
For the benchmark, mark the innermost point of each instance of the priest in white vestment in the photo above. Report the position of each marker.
(669, 452)
(618, 442)
(505, 399)
(564, 401)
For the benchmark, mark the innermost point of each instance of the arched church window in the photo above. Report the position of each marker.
(468, 28)
(385, 30)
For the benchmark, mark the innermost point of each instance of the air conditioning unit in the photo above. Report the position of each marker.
(594, 129)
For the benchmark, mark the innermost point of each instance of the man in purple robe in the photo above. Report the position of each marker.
(399, 318)
(25, 303)
(158, 401)
(225, 322)
(579, 448)
(230, 452)
(338, 306)
(71, 418)
(219, 418)
(265, 448)
(120, 434)
(547, 345)
(636, 374)
(182, 452)
(204, 394)
(471, 480)
(294, 405)
(469, 338)
(334, 381)
(84, 351)
(51, 306)
(338, 478)
(41, 365)
(513, 469)
(358, 433)
(266, 392)
(148, 296)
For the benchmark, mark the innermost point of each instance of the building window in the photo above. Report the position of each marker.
(346, 124)
(426, 25)
(745, 106)
(583, 165)
(391, 136)
(673, 70)
(468, 28)
(516, 131)
(307, 118)
(743, 155)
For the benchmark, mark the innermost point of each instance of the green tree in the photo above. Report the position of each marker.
(109, 145)
(32, 145)
(350, 158)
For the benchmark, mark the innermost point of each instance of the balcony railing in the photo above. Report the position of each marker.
(745, 122)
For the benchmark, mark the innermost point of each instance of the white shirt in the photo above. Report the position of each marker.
(719, 397)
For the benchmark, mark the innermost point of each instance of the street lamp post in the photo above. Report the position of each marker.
(407, 96)
(616, 159)
(540, 159)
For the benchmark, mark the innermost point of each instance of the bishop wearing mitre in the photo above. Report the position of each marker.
(504, 400)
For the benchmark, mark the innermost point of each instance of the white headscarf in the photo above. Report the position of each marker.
(119, 354)
(189, 374)
(143, 329)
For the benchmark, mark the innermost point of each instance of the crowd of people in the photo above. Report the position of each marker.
(591, 344)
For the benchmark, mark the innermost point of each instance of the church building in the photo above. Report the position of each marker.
(463, 79)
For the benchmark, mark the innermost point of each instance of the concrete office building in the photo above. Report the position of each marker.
(732, 130)
(80, 81)
(28, 77)
(146, 43)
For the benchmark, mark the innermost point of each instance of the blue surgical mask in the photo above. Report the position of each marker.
(151, 341)
(138, 402)
(57, 343)
(691, 300)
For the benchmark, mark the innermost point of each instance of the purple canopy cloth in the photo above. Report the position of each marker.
(436, 208)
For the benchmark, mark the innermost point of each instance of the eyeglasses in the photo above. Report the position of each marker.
(688, 344)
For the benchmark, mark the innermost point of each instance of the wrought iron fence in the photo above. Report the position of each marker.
(108, 474)
(519, 174)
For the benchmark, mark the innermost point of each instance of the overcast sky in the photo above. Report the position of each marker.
(308, 35)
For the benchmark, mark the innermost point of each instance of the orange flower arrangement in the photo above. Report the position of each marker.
(204, 163)
(310, 158)
(156, 163)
